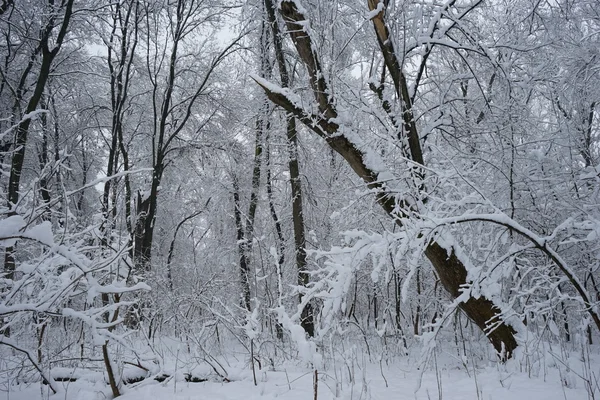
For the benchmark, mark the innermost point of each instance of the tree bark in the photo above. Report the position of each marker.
(244, 267)
(307, 318)
(450, 269)
(22, 130)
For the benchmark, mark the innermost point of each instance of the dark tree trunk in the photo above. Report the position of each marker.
(453, 275)
(22, 130)
(417, 320)
(280, 238)
(307, 321)
(244, 267)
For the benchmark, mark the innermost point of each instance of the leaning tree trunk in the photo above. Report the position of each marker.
(450, 269)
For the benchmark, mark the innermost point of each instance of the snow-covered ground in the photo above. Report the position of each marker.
(450, 380)
(454, 385)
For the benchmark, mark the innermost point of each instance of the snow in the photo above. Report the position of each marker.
(454, 379)
(59, 278)
(10, 227)
(271, 87)
(42, 233)
(306, 348)
(297, 3)
(540, 242)
(32, 116)
(372, 14)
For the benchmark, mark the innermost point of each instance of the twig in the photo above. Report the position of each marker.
(316, 384)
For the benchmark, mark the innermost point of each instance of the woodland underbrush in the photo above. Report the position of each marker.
(349, 363)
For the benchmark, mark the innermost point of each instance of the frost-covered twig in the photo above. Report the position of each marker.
(46, 376)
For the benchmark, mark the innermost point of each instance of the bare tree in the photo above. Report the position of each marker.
(44, 52)
(294, 168)
(172, 107)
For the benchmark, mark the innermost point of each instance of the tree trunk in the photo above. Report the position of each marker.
(451, 271)
(482, 311)
(280, 239)
(22, 129)
(307, 317)
(244, 267)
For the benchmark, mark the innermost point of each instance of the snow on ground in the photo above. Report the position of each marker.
(455, 386)
(296, 383)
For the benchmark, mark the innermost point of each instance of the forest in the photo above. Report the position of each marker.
(299, 199)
